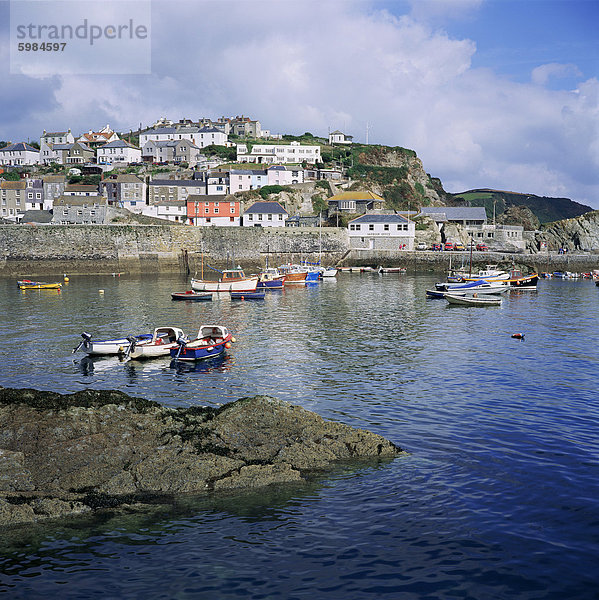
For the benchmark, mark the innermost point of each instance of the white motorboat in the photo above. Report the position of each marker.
(232, 280)
(160, 344)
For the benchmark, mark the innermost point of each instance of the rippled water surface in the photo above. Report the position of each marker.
(498, 498)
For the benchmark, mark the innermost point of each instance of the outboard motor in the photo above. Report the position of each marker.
(87, 340)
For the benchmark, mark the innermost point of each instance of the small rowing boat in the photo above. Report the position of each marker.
(192, 296)
(211, 341)
(473, 300)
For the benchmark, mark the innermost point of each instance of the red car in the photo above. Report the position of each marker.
(448, 246)
(482, 247)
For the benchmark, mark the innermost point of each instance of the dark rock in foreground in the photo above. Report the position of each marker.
(71, 454)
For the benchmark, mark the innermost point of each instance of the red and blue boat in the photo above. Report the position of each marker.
(211, 341)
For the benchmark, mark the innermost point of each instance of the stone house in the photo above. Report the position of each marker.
(80, 210)
(34, 194)
(174, 190)
(125, 191)
(52, 145)
(176, 151)
(53, 186)
(78, 154)
(355, 202)
(12, 199)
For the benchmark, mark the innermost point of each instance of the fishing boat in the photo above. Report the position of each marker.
(230, 280)
(490, 273)
(294, 274)
(25, 284)
(192, 296)
(211, 341)
(472, 300)
(163, 340)
(271, 279)
(257, 295)
(113, 347)
(523, 282)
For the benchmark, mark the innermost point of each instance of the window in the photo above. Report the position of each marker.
(386, 226)
(371, 227)
(280, 217)
(270, 217)
(30, 195)
(250, 217)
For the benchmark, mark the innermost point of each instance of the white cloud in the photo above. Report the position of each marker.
(542, 74)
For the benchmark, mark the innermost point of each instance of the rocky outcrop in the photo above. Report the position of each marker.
(71, 454)
(580, 233)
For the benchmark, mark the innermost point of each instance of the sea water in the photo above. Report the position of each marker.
(497, 498)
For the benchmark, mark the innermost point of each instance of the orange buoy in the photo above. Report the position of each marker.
(518, 336)
(227, 345)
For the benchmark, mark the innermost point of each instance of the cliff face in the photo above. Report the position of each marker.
(580, 233)
(69, 454)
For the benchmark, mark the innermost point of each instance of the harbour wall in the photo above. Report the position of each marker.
(27, 250)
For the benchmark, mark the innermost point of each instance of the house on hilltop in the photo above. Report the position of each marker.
(19, 154)
(358, 202)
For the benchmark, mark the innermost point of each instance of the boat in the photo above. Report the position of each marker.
(392, 269)
(357, 269)
(293, 274)
(211, 341)
(523, 282)
(490, 273)
(192, 296)
(113, 347)
(328, 272)
(480, 286)
(163, 340)
(271, 279)
(25, 284)
(230, 280)
(472, 300)
(257, 295)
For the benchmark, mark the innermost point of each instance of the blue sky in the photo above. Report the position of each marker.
(489, 93)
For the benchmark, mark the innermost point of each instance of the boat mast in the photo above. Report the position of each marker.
(470, 268)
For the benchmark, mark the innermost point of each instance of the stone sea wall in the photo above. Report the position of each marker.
(53, 250)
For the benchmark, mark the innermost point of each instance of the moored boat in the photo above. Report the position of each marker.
(257, 295)
(392, 269)
(25, 284)
(230, 280)
(293, 274)
(211, 341)
(112, 347)
(160, 344)
(328, 272)
(517, 280)
(480, 286)
(489, 273)
(271, 279)
(192, 296)
(472, 300)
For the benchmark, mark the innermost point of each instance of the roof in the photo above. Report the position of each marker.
(378, 218)
(54, 178)
(81, 187)
(37, 216)
(210, 130)
(118, 144)
(211, 198)
(179, 182)
(266, 208)
(55, 133)
(355, 196)
(456, 213)
(12, 185)
(80, 200)
(127, 178)
(19, 147)
(247, 172)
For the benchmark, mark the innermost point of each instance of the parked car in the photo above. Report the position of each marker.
(421, 246)
(482, 247)
(459, 246)
(448, 246)
(436, 247)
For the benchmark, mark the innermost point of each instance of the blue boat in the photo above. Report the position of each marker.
(248, 295)
(271, 279)
(212, 340)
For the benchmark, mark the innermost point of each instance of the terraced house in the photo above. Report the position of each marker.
(12, 199)
(223, 210)
(292, 153)
(174, 190)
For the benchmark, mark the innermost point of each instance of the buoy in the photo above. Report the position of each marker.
(101, 291)
(518, 336)
(227, 345)
(233, 340)
(65, 277)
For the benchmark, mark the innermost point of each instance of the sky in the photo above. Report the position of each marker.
(489, 93)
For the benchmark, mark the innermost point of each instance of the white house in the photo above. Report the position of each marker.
(19, 154)
(242, 180)
(337, 137)
(265, 214)
(118, 152)
(211, 135)
(293, 152)
(52, 144)
(381, 232)
(281, 175)
(175, 210)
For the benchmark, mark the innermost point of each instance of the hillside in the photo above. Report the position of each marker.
(545, 209)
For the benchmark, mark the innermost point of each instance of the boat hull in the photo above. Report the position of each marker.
(241, 285)
(192, 296)
(258, 295)
(468, 300)
(113, 347)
